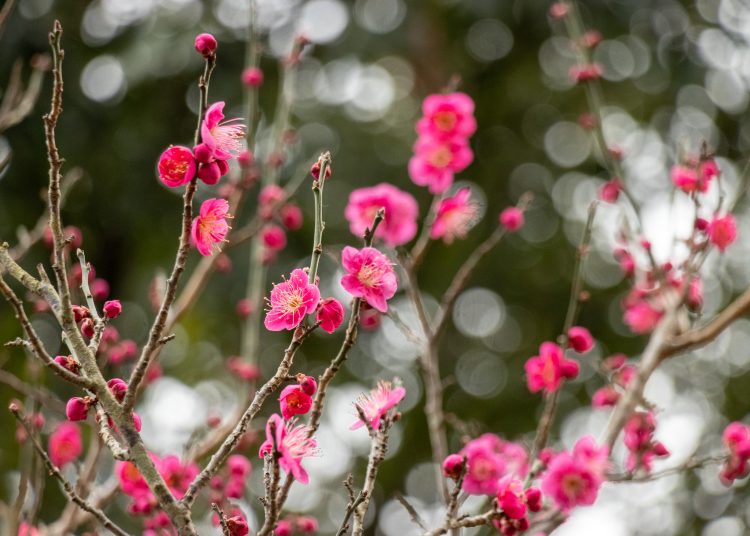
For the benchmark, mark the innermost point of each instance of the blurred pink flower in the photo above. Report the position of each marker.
(436, 161)
(456, 215)
(377, 403)
(401, 210)
(65, 444)
(574, 478)
(547, 370)
(223, 139)
(291, 301)
(447, 116)
(722, 231)
(210, 227)
(369, 276)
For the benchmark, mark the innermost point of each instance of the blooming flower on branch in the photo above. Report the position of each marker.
(488, 459)
(737, 440)
(369, 276)
(65, 444)
(436, 161)
(376, 404)
(292, 444)
(512, 219)
(224, 139)
(722, 232)
(447, 116)
(401, 210)
(330, 314)
(574, 478)
(210, 227)
(455, 216)
(547, 370)
(291, 301)
(176, 166)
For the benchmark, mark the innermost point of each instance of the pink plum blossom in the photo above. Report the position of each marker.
(376, 404)
(252, 77)
(737, 440)
(574, 478)
(401, 210)
(436, 161)
(205, 44)
(292, 444)
(112, 309)
(294, 401)
(447, 116)
(210, 227)
(580, 339)
(77, 408)
(224, 139)
(452, 466)
(642, 317)
(455, 216)
(512, 219)
(291, 301)
(488, 459)
(330, 314)
(610, 191)
(685, 178)
(176, 166)
(722, 232)
(369, 276)
(547, 370)
(65, 444)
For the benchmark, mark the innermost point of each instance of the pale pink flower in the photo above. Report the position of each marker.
(573, 479)
(291, 216)
(605, 397)
(512, 219)
(580, 339)
(401, 210)
(369, 276)
(455, 217)
(292, 444)
(436, 161)
(685, 178)
(177, 474)
(273, 237)
(642, 317)
(585, 72)
(210, 227)
(224, 139)
(26, 529)
(307, 524)
(330, 314)
(65, 444)
(239, 465)
(377, 403)
(447, 116)
(294, 401)
(176, 166)
(291, 301)
(547, 370)
(722, 232)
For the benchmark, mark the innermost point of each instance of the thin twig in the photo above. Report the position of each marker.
(66, 486)
(413, 514)
(222, 519)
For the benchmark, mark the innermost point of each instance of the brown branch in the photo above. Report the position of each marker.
(152, 348)
(222, 519)
(66, 486)
(413, 514)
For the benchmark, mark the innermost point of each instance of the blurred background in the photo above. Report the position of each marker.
(675, 74)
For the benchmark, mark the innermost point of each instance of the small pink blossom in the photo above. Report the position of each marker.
(112, 309)
(26, 529)
(65, 444)
(488, 459)
(610, 191)
(585, 72)
(252, 77)
(452, 466)
(291, 216)
(722, 232)
(436, 161)
(376, 404)
(273, 237)
(176, 166)
(737, 440)
(330, 314)
(307, 524)
(580, 339)
(291, 301)
(574, 478)
(294, 401)
(118, 388)
(283, 528)
(642, 317)
(205, 44)
(369, 276)
(685, 178)
(268, 198)
(547, 370)
(68, 362)
(455, 216)
(511, 497)
(447, 116)
(401, 210)
(292, 444)
(210, 227)
(243, 370)
(639, 440)
(604, 397)
(512, 219)
(237, 526)
(239, 466)
(223, 138)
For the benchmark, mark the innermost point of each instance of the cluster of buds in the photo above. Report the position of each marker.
(515, 503)
(231, 485)
(639, 439)
(621, 374)
(737, 441)
(296, 524)
(278, 215)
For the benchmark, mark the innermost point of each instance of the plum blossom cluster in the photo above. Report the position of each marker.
(516, 502)
(737, 441)
(296, 525)
(377, 403)
(401, 211)
(640, 442)
(442, 147)
(297, 399)
(279, 215)
(176, 473)
(65, 444)
(574, 478)
(290, 443)
(620, 374)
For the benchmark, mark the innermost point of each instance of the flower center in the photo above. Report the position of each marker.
(445, 120)
(369, 275)
(293, 302)
(571, 485)
(441, 157)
